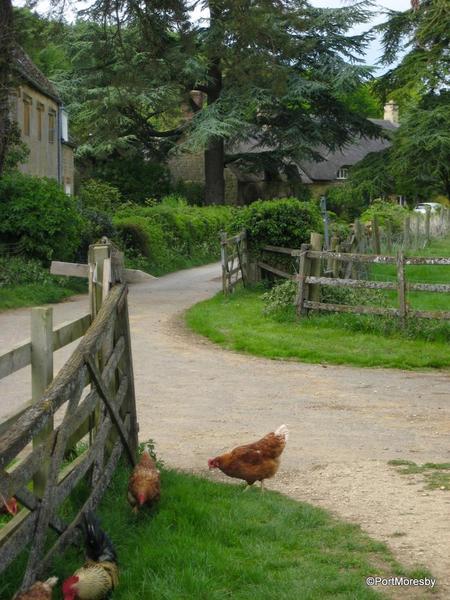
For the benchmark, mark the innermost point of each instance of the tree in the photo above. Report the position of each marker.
(275, 71)
(421, 151)
(6, 61)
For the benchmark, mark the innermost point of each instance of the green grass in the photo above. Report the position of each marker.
(436, 475)
(210, 541)
(34, 294)
(239, 323)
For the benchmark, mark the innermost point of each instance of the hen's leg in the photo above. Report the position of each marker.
(247, 487)
(262, 485)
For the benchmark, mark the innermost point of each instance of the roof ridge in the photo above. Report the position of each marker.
(33, 75)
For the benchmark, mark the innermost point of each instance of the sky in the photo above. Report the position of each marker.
(374, 50)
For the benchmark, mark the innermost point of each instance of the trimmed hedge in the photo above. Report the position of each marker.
(285, 222)
(163, 238)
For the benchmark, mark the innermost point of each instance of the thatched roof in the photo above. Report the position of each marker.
(312, 171)
(33, 76)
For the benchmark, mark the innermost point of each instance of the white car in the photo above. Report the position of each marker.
(422, 208)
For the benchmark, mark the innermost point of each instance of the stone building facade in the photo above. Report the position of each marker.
(37, 108)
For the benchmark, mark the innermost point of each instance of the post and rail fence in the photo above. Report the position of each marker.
(317, 268)
(94, 390)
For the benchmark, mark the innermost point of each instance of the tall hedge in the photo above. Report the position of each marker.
(171, 237)
(286, 222)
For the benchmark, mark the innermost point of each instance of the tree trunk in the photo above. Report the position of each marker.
(214, 153)
(214, 166)
(6, 51)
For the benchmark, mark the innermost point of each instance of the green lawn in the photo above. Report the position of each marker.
(210, 541)
(239, 323)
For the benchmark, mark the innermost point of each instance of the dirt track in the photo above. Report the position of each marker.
(195, 400)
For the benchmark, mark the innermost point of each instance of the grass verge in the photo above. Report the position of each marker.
(34, 294)
(238, 323)
(210, 541)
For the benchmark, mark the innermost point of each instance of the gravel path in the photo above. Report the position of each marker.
(195, 400)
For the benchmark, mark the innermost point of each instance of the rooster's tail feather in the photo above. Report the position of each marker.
(52, 581)
(283, 431)
(98, 545)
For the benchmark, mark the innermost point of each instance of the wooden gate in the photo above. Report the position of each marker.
(95, 388)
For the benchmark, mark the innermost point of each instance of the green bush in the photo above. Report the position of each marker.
(18, 271)
(285, 222)
(171, 235)
(386, 211)
(37, 212)
(99, 196)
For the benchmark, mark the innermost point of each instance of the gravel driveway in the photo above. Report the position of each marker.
(195, 400)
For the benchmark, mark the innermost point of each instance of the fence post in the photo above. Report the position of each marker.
(359, 235)
(417, 231)
(41, 377)
(316, 263)
(376, 236)
(224, 260)
(406, 233)
(333, 245)
(244, 258)
(388, 237)
(97, 255)
(303, 288)
(427, 224)
(401, 287)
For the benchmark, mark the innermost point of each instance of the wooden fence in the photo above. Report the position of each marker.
(234, 259)
(95, 390)
(312, 261)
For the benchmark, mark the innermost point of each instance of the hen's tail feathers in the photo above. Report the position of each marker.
(283, 431)
(52, 581)
(98, 545)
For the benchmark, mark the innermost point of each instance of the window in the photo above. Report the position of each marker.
(40, 120)
(51, 127)
(64, 126)
(342, 173)
(26, 115)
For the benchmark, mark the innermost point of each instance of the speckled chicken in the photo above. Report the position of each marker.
(144, 486)
(254, 462)
(99, 575)
(41, 590)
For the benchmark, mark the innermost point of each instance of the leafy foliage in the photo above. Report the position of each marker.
(386, 212)
(135, 178)
(99, 195)
(171, 235)
(285, 222)
(17, 271)
(38, 213)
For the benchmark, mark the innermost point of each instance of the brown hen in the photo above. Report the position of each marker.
(41, 590)
(144, 486)
(254, 462)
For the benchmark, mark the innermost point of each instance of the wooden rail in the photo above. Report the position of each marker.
(96, 388)
(310, 280)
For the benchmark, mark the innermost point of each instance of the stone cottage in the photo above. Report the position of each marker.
(38, 110)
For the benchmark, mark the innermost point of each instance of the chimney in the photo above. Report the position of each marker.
(391, 112)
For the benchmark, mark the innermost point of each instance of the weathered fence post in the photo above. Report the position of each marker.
(98, 253)
(401, 287)
(376, 236)
(316, 244)
(224, 261)
(388, 229)
(406, 233)
(333, 245)
(359, 235)
(417, 231)
(41, 377)
(427, 224)
(303, 272)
